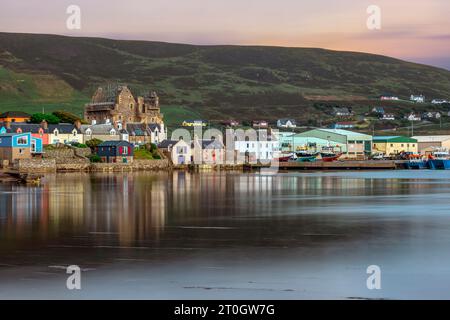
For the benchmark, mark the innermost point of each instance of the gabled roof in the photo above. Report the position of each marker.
(25, 127)
(63, 127)
(167, 143)
(100, 129)
(12, 114)
(12, 134)
(211, 144)
(284, 121)
(142, 129)
(114, 143)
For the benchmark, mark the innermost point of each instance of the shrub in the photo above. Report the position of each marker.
(95, 158)
(93, 143)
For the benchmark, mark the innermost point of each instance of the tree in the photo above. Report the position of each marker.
(66, 116)
(39, 117)
(93, 143)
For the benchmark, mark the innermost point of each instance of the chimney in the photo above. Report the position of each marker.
(44, 125)
(77, 124)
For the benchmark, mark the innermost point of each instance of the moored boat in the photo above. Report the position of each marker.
(330, 157)
(439, 160)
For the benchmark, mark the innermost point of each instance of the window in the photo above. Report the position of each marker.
(125, 150)
(22, 141)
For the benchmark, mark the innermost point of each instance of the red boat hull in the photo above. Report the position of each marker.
(331, 158)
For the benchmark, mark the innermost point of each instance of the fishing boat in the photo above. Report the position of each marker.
(329, 155)
(305, 156)
(439, 160)
(417, 164)
(285, 157)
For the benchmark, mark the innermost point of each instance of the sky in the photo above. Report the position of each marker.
(414, 30)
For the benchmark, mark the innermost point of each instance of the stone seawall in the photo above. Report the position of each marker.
(67, 154)
(136, 165)
(52, 165)
(35, 165)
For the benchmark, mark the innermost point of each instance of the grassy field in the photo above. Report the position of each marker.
(209, 82)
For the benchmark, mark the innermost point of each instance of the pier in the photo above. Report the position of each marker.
(335, 165)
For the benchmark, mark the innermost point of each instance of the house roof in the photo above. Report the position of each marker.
(167, 143)
(393, 139)
(211, 144)
(432, 138)
(344, 132)
(112, 143)
(12, 134)
(284, 121)
(98, 128)
(142, 129)
(12, 114)
(63, 127)
(25, 127)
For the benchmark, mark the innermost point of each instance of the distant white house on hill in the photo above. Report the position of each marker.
(417, 98)
(286, 123)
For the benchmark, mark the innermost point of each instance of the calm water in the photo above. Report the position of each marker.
(228, 236)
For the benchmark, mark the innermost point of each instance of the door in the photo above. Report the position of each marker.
(181, 159)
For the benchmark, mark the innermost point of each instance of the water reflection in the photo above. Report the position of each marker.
(136, 207)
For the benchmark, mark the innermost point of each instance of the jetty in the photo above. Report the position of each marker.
(335, 165)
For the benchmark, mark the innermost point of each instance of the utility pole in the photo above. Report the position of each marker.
(412, 128)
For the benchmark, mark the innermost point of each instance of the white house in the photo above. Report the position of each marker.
(183, 152)
(413, 117)
(392, 98)
(286, 123)
(387, 116)
(418, 99)
(253, 150)
(439, 101)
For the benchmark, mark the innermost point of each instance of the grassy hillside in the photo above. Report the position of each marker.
(215, 82)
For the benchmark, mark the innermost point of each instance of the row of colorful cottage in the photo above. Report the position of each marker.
(65, 133)
(352, 145)
(15, 146)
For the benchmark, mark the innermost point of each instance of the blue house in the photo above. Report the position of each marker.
(116, 151)
(19, 146)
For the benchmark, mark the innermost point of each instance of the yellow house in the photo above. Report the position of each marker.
(392, 145)
(64, 133)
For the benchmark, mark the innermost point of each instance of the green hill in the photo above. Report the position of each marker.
(214, 82)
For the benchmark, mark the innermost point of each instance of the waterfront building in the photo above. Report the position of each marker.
(14, 116)
(14, 146)
(297, 142)
(116, 151)
(354, 145)
(427, 143)
(180, 152)
(184, 152)
(253, 150)
(394, 145)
